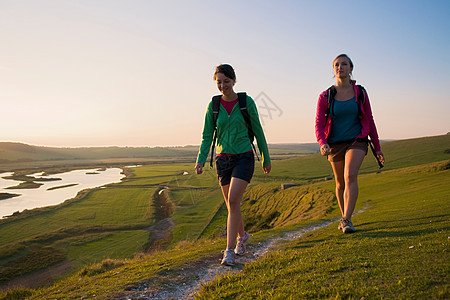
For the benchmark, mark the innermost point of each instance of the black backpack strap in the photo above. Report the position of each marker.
(362, 94)
(331, 92)
(243, 107)
(361, 99)
(215, 107)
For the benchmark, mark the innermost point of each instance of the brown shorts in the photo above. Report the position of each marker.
(338, 150)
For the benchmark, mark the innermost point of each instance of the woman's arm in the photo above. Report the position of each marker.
(258, 132)
(373, 133)
(320, 122)
(207, 136)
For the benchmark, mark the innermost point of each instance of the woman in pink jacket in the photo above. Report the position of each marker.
(343, 126)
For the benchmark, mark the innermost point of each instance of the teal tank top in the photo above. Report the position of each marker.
(345, 122)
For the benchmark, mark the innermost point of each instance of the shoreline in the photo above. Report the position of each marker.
(24, 213)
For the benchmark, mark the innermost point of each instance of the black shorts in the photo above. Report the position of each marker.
(239, 166)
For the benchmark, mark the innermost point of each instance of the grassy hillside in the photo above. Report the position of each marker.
(114, 223)
(400, 250)
(399, 154)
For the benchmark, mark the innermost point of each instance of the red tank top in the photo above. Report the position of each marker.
(228, 104)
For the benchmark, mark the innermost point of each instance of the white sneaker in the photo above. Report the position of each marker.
(228, 258)
(241, 242)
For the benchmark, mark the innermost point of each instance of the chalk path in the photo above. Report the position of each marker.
(184, 283)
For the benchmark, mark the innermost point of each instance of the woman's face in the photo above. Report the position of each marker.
(224, 83)
(342, 67)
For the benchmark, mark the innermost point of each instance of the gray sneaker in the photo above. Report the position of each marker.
(241, 242)
(347, 226)
(228, 258)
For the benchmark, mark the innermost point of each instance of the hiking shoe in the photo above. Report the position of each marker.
(347, 226)
(241, 242)
(228, 257)
(341, 224)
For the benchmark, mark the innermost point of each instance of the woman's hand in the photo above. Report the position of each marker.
(380, 156)
(267, 169)
(325, 149)
(199, 168)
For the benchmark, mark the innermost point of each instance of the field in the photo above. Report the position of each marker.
(18, 156)
(109, 236)
(104, 223)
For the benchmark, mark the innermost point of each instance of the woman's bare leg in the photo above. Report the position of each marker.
(353, 161)
(232, 194)
(338, 170)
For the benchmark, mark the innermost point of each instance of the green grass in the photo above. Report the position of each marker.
(100, 282)
(105, 223)
(161, 170)
(267, 206)
(102, 207)
(108, 224)
(30, 259)
(194, 209)
(123, 244)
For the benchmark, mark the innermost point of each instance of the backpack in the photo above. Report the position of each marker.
(331, 92)
(243, 107)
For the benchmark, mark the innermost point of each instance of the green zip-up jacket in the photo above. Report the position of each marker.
(232, 132)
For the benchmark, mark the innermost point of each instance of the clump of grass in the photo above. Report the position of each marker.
(16, 294)
(103, 267)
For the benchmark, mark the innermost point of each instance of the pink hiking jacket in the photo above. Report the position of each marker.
(323, 126)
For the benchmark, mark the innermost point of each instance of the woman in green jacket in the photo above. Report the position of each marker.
(235, 159)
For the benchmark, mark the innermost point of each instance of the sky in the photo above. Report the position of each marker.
(139, 73)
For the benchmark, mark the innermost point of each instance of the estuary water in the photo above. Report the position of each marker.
(54, 192)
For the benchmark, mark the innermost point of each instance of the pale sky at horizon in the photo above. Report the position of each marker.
(139, 73)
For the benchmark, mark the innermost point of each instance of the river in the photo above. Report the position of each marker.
(70, 184)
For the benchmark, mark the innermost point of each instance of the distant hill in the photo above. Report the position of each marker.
(11, 152)
(19, 152)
